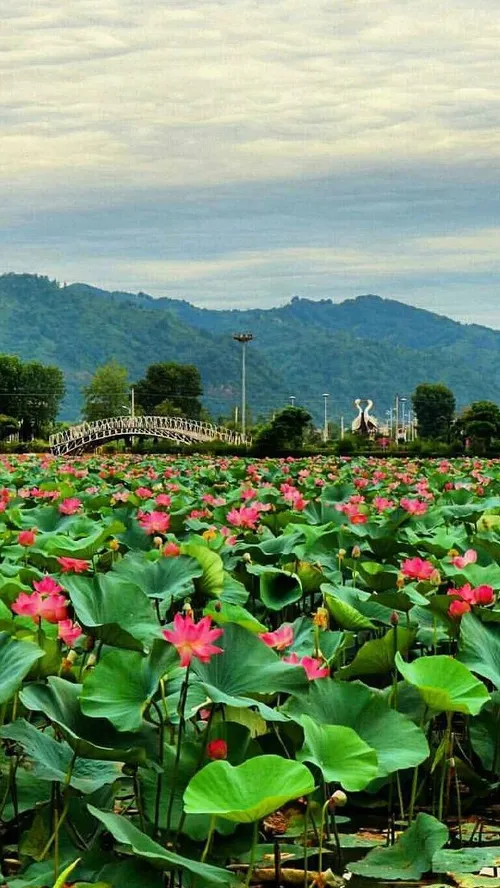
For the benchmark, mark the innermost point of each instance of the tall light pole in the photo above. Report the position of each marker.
(292, 400)
(244, 338)
(326, 395)
(396, 419)
(403, 418)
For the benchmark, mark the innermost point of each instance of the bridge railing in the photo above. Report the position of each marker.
(151, 426)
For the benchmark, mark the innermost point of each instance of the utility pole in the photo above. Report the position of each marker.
(396, 419)
(244, 338)
(132, 402)
(342, 430)
(325, 423)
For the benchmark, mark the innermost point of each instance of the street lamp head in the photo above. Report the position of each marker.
(243, 337)
(326, 394)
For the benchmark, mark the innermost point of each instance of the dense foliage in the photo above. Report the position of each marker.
(30, 396)
(218, 671)
(107, 393)
(367, 347)
(434, 406)
(170, 389)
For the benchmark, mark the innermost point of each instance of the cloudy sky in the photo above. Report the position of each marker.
(237, 153)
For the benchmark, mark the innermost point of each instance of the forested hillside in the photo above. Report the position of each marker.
(364, 347)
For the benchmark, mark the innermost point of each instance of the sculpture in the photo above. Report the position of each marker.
(364, 424)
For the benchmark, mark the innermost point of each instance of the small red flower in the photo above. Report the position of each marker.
(27, 538)
(458, 608)
(68, 632)
(484, 595)
(280, 639)
(216, 750)
(171, 550)
(73, 565)
(70, 506)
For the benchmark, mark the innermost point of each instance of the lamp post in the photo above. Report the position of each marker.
(244, 338)
(326, 395)
(292, 400)
(403, 418)
(396, 419)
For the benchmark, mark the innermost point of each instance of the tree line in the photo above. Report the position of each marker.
(31, 394)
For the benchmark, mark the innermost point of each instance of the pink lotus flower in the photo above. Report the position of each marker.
(73, 565)
(414, 507)
(47, 586)
(154, 522)
(69, 632)
(143, 493)
(70, 506)
(313, 668)
(280, 639)
(53, 608)
(163, 500)
(466, 593)
(27, 605)
(245, 516)
(193, 639)
(460, 561)
(417, 569)
(27, 538)
(484, 595)
(458, 608)
(382, 504)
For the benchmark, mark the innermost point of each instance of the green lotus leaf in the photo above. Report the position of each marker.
(125, 833)
(397, 741)
(445, 684)
(247, 792)
(16, 660)
(410, 857)
(340, 754)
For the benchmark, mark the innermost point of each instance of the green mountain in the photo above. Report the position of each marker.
(364, 347)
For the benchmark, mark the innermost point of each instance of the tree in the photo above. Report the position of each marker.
(107, 393)
(480, 423)
(31, 394)
(43, 390)
(171, 389)
(434, 406)
(286, 431)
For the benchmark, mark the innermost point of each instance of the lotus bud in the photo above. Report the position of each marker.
(247, 558)
(453, 553)
(342, 554)
(114, 545)
(157, 542)
(400, 581)
(435, 578)
(394, 618)
(356, 552)
(338, 799)
(320, 618)
(186, 607)
(92, 660)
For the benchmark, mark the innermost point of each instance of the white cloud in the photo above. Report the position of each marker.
(108, 101)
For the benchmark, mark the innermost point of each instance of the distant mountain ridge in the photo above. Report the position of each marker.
(362, 347)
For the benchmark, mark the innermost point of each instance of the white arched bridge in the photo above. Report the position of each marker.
(88, 435)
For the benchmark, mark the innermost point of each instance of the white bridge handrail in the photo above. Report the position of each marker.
(79, 437)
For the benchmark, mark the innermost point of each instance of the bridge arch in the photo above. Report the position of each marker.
(87, 435)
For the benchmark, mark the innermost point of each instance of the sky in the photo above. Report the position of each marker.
(238, 153)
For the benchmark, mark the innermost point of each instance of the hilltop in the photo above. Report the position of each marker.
(363, 347)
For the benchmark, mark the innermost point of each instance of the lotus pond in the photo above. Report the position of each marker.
(235, 672)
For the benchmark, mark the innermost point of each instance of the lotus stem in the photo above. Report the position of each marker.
(181, 710)
(208, 842)
(445, 766)
(253, 854)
